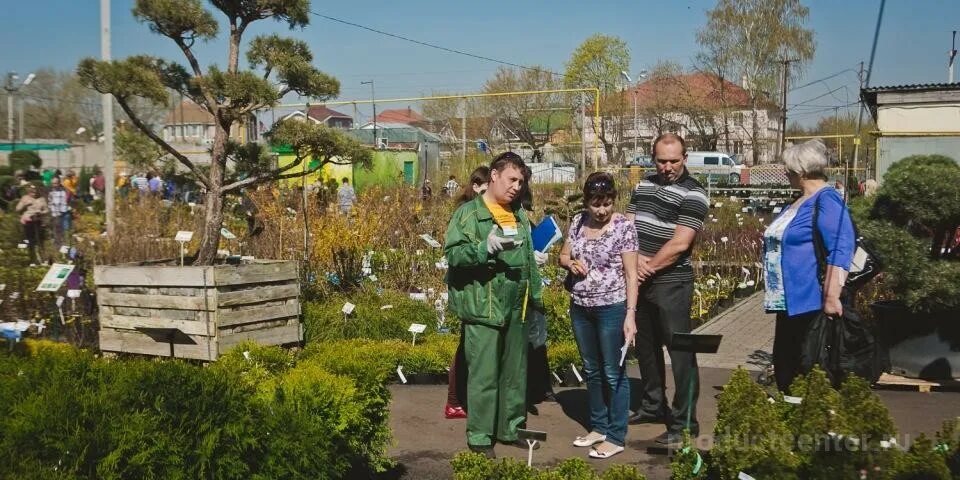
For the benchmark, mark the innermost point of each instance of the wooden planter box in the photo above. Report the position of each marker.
(197, 312)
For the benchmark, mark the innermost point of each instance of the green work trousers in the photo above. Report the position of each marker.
(496, 380)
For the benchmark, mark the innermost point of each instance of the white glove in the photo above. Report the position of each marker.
(495, 243)
(541, 258)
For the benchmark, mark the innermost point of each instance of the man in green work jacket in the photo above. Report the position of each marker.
(492, 280)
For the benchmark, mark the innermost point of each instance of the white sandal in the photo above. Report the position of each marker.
(589, 439)
(609, 452)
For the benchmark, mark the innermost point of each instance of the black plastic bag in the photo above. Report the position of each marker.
(843, 345)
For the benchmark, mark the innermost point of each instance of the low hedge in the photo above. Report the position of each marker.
(474, 466)
(324, 320)
(263, 415)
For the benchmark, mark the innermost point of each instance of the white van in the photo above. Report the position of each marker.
(715, 164)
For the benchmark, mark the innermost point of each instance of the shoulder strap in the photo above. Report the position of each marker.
(818, 248)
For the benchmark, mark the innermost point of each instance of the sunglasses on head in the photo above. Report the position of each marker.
(597, 185)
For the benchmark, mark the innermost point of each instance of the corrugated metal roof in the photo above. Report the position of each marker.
(913, 87)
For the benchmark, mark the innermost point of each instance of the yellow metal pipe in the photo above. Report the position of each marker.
(916, 134)
(596, 104)
(808, 137)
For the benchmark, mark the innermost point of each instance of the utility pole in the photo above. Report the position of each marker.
(856, 139)
(463, 132)
(783, 101)
(107, 105)
(373, 100)
(952, 55)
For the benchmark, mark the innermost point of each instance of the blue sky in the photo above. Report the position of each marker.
(913, 45)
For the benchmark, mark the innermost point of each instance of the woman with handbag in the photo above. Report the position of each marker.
(600, 252)
(798, 290)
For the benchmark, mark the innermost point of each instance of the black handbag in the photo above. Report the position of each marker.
(865, 264)
(844, 345)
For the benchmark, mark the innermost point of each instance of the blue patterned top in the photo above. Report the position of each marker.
(775, 299)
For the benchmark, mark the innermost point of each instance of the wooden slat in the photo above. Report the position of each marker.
(131, 323)
(228, 317)
(923, 386)
(152, 276)
(177, 302)
(289, 333)
(137, 342)
(258, 294)
(254, 273)
(169, 314)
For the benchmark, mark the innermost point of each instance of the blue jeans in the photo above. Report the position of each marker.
(599, 334)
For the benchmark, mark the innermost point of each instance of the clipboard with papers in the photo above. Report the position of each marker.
(545, 234)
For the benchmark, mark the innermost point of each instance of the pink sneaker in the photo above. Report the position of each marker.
(452, 412)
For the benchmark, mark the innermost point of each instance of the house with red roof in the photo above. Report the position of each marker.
(709, 113)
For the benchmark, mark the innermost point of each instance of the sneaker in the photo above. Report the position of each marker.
(486, 450)
(641, 418)
(589, 439)
(605, 450)
(452, 412)
(669, 439)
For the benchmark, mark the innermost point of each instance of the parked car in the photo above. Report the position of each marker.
(715, 164)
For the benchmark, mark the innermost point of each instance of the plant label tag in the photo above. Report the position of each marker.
(21, 245)
(183, 236)
(348, 308)
(73, 293)
(777, 209)
(55, 277)
(556, 377)
(744, 476)
(792, 400)
(3, 286)
(430, 240)
(576, 373)
(403, 379)
(227, 234)
(418, 296)
(64, 249)
(59, 301)
(417, 328)
(386, 307)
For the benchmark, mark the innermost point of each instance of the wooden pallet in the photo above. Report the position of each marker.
(891, 381)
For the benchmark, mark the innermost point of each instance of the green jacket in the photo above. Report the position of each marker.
(483, 288)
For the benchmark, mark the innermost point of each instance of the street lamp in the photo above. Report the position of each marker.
(373, 100)
(636, 124)
(12, 86)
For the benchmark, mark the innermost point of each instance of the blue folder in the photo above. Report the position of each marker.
(546, 234)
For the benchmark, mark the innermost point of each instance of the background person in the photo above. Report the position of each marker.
(32, 207)
(792, 288)
(488, 242)
(601, 252)
(452, 186)
(58, 201)
(668, 209)
(345, 197)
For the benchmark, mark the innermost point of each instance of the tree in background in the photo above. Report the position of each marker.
(530, 118)
(750, 39)
(445, 116)
(278, 66)
(597, 63)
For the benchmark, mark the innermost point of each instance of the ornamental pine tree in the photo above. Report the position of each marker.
(277, 66)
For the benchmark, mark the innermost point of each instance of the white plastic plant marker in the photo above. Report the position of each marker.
(556, 377)
(386, 307)
(59, 301)
(3, 286)
(64, 249)
(73, 293)
(21, 245)
(227, 234)
(246, 354)
(430, 240)
(54, 278)
(576, 373)
(744, 476)
(792, 400)
(416, 328)
(403, 379)
(418, 296)
(348, 308)
(183, 236)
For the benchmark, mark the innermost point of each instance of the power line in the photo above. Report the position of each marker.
(823, 79)
(432, 45)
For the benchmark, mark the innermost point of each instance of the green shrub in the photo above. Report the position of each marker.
(948, 443)
(623, 472)
(370, 362)
(561, 354)
(750, 435)
(471, 466)
(474, 466)
(24, 160)
(687, 463)
(325, 321)
(66, 414)
(556, 303)
(921, 462)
